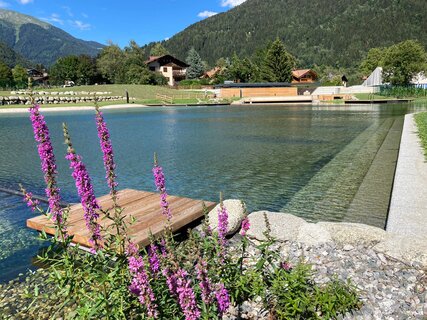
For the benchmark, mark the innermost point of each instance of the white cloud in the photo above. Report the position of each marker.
(25, 1)
(68, 11)
(54, 18)
(206, 14)
(231, 3)
(84, 15)
(4, 4)
(80, 25)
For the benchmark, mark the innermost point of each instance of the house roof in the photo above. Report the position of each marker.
(301, 72)
(166, 60)
(254, 85)
(210, 73)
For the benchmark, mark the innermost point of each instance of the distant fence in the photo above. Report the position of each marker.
(164, 98)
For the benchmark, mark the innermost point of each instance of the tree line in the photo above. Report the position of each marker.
(13, 77)
(273, 63)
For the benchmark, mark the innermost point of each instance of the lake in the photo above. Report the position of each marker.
(332, 163)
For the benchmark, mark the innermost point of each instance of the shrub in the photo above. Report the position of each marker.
(198, 278)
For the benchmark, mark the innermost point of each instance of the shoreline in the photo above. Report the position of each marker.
(74, 108)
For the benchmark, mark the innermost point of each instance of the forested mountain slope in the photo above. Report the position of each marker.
(337, 33)
(39, 41)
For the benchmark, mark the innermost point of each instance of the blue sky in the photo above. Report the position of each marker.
(120, 21)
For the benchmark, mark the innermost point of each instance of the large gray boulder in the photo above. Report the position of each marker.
(283, 226)
(313, 234)
(236, 213)
(344, 233)
(409, 250)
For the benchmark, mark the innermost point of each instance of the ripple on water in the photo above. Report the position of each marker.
(308, 160)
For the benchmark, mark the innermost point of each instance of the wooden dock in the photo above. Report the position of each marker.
(141, 205)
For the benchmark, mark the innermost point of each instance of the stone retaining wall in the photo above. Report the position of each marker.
(11, 100)
(59, 93)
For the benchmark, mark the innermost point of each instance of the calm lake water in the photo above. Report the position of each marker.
(322, 163)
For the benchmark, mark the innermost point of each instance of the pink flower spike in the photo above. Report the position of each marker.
(245, 226)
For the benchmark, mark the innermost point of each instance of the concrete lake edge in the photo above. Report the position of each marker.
(405, 237)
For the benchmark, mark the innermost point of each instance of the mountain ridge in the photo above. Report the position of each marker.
(39, 41)
(336, 33)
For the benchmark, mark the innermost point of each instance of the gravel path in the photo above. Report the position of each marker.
(388, 288)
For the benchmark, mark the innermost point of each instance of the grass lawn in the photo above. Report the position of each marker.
(143, 94)
(421, 121)
(369, 96)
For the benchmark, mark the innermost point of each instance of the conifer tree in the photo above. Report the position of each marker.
(196, 68)
(279, 63)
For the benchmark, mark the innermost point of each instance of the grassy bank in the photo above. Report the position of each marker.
(142, 94)
(369, 96)
(421, 121)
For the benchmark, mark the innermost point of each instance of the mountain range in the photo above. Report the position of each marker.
(37, 41)
(318, 32)
(323, 32)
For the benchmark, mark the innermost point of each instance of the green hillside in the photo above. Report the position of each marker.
(337, 33)
(10, 57)
(38, 41)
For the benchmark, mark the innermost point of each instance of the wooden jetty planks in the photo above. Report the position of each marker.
(143, 206)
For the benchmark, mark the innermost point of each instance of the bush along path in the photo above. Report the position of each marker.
(206, 276)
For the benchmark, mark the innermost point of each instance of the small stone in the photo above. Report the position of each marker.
(348, 247)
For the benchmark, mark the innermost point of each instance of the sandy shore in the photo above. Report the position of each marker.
(74, 108)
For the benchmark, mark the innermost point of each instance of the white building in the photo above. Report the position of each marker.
(171, 68)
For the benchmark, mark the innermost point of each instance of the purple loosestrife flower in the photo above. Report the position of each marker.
(222, 298)
(85, 191)
(153, 258)
(160, 182)
(222, 225)
(48, 164)
(28, 198)
(140, 284)
(186, 296)
(170, 280)
(286, 266)
(87, 198)
(107, 151)
(205, 285)
(245, 226)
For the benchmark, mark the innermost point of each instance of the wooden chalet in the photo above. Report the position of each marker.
(304, 76)
(173, 69)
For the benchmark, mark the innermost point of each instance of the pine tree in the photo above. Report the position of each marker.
(158, 50)
(5, 75)
(196, 68)
(279, 63)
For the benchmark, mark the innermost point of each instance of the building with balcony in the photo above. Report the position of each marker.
(304, 76)
(173, 69)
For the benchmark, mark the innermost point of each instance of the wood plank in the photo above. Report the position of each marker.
(103, 201)
(150, 209)
(141, 205)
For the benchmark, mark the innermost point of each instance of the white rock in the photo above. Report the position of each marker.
(236, 213)
(313, 234)
(348, 247)
(354, 233)
(284, 226)
(403, 248)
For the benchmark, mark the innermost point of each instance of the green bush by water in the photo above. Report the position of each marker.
(403, 91)
(421, 121)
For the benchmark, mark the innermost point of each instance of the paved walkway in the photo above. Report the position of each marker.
(408, 207)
